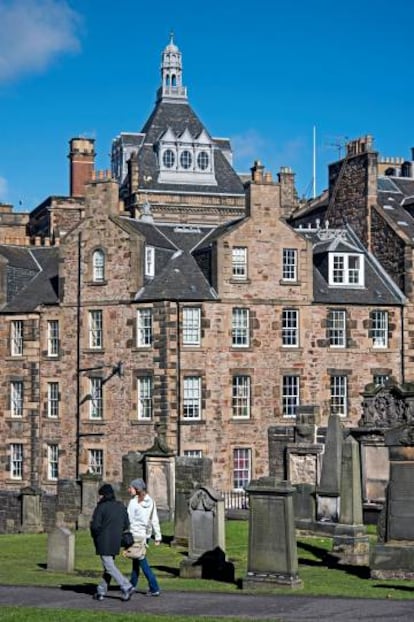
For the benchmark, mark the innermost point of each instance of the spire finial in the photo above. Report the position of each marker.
(171, 36)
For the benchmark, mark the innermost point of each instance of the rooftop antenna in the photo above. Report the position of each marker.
(339, 143)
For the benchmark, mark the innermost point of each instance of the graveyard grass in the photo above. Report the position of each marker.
(24, 560)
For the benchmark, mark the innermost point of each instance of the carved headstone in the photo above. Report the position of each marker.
(61, 550)
(190, 474)
(272, 555)
(31, 510)
(90, 484)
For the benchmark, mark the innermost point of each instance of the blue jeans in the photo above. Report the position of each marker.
(143, 564)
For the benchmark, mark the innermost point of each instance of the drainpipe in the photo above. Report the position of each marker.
(178, 375)
(402, 355)
(78, 325)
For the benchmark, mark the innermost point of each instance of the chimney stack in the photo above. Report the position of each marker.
(82, 164)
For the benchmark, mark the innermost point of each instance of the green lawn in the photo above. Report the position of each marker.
(24, 560)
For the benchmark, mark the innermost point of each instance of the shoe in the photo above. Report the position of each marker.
(128, 593)
(149, 593)
(98, 596)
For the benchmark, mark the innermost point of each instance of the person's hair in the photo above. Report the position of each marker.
(138, 484)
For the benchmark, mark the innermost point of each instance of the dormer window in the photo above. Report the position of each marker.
(186, 159)
(98, 265)
(346, 269)
(203, 160)
(168, 158)
(149, 261)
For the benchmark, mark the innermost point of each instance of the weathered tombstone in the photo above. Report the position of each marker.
(350, 542)
(328, 490)
(272, 555)
(190, 474)
(393, 555)
(206, 554)
(159, 471)
(90, 485)
(132, 468)
(31, 510)
(61, 550)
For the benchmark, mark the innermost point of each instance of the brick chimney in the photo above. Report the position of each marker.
(82, 163)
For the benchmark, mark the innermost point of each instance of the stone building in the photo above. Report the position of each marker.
(168, 300)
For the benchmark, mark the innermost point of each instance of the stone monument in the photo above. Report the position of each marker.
(90, 485)
(31, 510)
(61, 550)
(206, 554)
(272, 555)
(190, 474)
(328, 491)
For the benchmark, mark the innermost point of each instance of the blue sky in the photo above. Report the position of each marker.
(263, 74)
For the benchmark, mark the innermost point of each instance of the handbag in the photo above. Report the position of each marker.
(137, 550)
(127, 539)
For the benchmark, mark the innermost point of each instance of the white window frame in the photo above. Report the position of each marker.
(16, 461)
(144, 327)
(53, 462)
(339, 395)
(149, 261)
(96, 400)
(346, 269)
(192, 398)
(96, 329)
(53, 337)
(53, 399)
(241, 397)
(16, 398)
(240, 327)
(16, 338)
(193, 453)
(290, 394)
(379, 328)
(290, 328)
(191, 326)
(96, 461)
(242, 467)
(239, 263)
(380, 379)
(337, 328)
(98, 266)
(144, 398)
(289, 264)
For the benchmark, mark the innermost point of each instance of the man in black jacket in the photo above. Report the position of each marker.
(109, 520)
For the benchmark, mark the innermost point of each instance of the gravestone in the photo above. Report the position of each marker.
(272, 554)
(393, 555)
(61, 550)
(159, 474)
(31, 510)
(350, 542)
(90, 484)
(190, 474)
(132, 468)
(328, 491)
(206, 553)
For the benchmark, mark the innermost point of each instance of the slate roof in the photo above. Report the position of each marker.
(379, 288)
(396, 197)
(178, 117)
(32, 276)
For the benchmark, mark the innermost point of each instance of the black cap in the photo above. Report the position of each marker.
(107, 491)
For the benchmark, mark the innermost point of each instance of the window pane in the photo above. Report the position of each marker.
(192, 398)
(16, 398)
(53, 462)
(339, 395)
(16, 461)
(290, 327)
(337, 328)
(290, 395)
(379, 329)
(144, 387)
(193, 453)
(98, 265)
(17, 338)
(240, 327)
(53, 338)
(95, 461)
(239, 262)
(144, 327)
(289, 270)
(241, 396)
(149, 261)
(96, 402)
(53, 399)
(191, 326)
(95, 329)
(241, 467)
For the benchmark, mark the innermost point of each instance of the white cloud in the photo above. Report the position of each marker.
(3, 189)
(253, 146)
(33, 33)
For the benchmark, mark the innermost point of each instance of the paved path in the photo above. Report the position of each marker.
(293, 608)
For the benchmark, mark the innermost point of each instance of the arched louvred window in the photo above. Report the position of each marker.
(98, 261)
(173, 80)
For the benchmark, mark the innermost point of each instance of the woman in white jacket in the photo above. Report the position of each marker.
(143, 518)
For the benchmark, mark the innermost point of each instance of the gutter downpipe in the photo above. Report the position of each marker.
(78, 325)
(178, 375)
